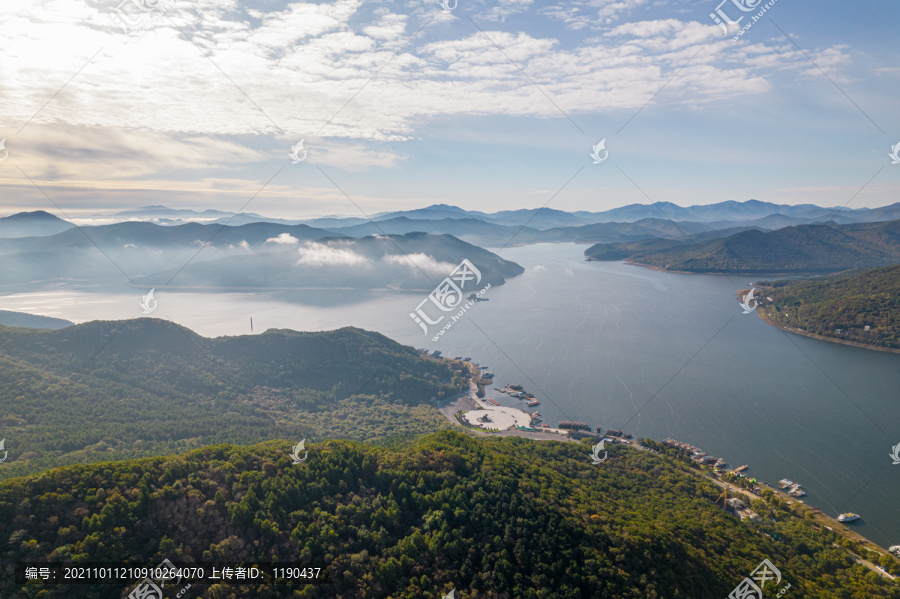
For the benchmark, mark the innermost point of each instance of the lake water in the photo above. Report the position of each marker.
(656, 354)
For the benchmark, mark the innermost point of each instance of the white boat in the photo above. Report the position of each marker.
(895, 549)
(848, 517)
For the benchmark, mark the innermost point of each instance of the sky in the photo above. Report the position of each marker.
(111, 105)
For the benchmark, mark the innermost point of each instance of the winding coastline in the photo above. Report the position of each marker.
(767, 319)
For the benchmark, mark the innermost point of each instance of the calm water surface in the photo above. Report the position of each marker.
(657, 354)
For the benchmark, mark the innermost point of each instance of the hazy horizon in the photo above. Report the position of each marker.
(87, 217)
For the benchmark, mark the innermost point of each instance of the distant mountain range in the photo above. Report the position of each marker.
(723, 215)
(189, 236)
(40, 249)
(800, 249)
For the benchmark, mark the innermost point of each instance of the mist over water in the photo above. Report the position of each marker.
(657, 354)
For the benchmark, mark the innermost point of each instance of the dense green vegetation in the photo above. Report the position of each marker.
(115, 390)
(848, 302)
(496, 518)
(800, 249)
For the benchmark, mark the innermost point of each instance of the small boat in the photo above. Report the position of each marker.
(895, 549)
(784, 483)
(848, 517)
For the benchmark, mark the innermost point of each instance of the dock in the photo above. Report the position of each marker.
(741, 468)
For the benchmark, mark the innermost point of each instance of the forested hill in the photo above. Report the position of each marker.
(21, 319)
(840, 306)
(800, 249)
(120, 389)
(503, 518)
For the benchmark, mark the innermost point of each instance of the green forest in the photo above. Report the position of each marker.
(116, 390)
(138, 441)
(489, 518)
(840, 306)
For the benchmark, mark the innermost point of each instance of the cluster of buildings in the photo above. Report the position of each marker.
(736, 507)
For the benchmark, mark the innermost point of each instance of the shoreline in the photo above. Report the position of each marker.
(768, 320)
(466, 399)
(818, 516)
(722, 274)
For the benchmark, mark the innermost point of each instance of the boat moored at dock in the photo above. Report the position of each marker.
(796, 491)
(574, 425)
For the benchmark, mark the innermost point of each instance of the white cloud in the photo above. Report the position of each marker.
(505, 8)
(319, 254)
(284, 239)
(591, 14)
(301, 65)
(243, 245)
(390, 27)
(422, 262)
